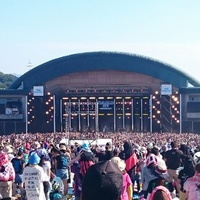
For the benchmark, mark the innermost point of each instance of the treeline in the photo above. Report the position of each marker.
(6, 80)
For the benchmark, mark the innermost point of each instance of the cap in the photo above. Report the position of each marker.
(102, 180)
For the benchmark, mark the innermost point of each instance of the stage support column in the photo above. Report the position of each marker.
(70, 114)
(141, 114)
(150, 112)
(88, 113)
(97, 116)
(123, 114)
(79, 115)
(54, 113)
(114, 115)
(180, 118)
(26, 114)
(132, 116)
(61, 115)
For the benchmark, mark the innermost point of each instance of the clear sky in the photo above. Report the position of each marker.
(42, 30)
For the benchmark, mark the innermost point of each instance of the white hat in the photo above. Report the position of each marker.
(120, 163)
(37, 145)
(8, 149)
(143, 150)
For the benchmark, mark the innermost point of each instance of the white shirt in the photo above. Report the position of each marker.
(33, 177)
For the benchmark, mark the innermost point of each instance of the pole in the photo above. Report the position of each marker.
(151, 116)
(61, 116)
(180, 121)
(26, 114)
(54, 113)
(141, 114)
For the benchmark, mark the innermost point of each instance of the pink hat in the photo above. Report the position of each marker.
(3, 159)
(151, 159)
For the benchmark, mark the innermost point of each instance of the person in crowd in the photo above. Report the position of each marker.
(163, 150)
(187, 172)
(61, 166)
(160, 193)
(33, 178)
(46, 166)
(9, 150)
(148, 173)
(102, 181)
(127, 190)
(75, 168)
(7, 176)
(109, 151)
(87, 159)
(53, 154)
(26, 156)
(130, 158)
(173, 159)
(192, 185)
(116, 151)
(100, 153)
(18, 165)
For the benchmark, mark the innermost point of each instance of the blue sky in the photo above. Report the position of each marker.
(39, 31)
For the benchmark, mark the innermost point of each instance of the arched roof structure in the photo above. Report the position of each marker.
(98, 61)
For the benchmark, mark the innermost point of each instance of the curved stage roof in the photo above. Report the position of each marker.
(92, 61)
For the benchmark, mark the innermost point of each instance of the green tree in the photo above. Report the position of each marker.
(6, 80)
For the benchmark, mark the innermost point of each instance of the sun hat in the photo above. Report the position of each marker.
(34, 159)
(8, 149)
(36, 145)
(150, 146)
(151, 159)
(143, 150)
(119, 162)
(161, 168)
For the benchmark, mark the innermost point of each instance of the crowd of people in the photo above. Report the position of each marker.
(152, 166)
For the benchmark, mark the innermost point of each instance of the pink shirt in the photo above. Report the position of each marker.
(192, 187)
(126, 182)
